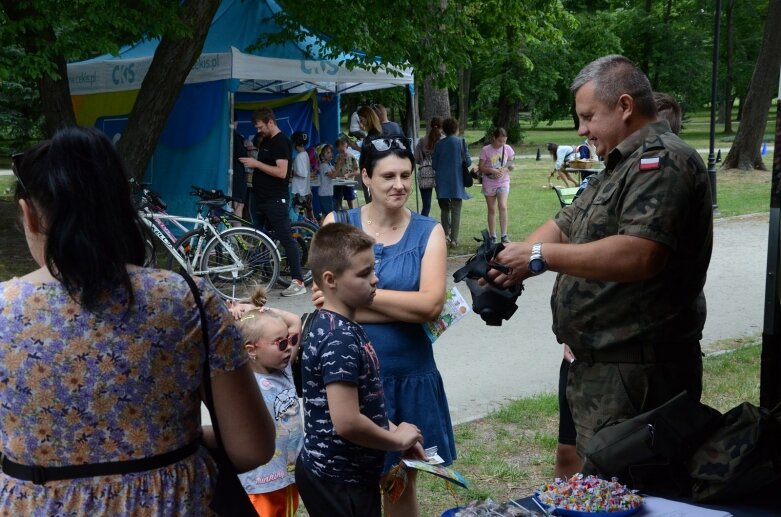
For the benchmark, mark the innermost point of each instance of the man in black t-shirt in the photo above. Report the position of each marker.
(270, 185)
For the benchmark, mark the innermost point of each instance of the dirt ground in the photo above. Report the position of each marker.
(15, 258)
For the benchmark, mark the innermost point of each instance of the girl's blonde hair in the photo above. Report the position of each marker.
(253, 324)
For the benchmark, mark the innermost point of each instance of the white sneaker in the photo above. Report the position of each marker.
(295, 288)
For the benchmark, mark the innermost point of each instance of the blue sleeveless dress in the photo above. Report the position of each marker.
(412, 384)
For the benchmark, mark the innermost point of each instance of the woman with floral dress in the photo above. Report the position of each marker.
(101, 359)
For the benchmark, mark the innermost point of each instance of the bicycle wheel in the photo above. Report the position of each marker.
(302, 235)
(257, 264)
(190, 245)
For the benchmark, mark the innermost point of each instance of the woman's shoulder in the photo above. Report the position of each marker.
(423, 221)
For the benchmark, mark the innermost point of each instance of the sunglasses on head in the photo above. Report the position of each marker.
(16, 164)
(283, 342)
(386, 144)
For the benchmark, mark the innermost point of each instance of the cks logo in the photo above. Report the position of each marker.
(319, 67)
(123, 74)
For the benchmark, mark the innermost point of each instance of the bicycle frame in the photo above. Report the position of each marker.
(153, 221)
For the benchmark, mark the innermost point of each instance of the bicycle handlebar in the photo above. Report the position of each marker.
(148, 196)
(212, 194)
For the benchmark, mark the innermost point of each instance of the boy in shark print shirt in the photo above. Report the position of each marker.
(346, 425)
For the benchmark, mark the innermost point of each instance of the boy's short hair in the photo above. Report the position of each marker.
(253, 323)
(333, 246)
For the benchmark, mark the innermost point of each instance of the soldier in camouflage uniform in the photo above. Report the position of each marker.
(631, 254)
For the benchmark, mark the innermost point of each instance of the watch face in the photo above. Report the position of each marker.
(536, 265)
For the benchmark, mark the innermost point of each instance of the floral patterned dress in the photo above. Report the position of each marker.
(79, 387)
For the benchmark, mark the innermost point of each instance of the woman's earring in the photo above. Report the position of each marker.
(254, 357)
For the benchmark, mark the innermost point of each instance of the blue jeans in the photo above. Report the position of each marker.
(273, 214)
(425, 196)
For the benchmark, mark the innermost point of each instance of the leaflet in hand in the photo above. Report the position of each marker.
(432, 465)
(455, 308)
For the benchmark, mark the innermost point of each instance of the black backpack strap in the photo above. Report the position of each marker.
(207, 380)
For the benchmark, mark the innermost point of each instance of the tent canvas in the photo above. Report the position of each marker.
(195, 145)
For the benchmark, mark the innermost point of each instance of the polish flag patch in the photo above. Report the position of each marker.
(650, 164)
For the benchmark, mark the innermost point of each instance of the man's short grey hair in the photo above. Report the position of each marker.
(614, 76)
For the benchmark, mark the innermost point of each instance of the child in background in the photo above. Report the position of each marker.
(302, 194)
(346, 427)
(327, 174)
(346, 167)
(271, 339)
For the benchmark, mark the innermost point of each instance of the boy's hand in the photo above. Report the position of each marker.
(408, 435)
(416, 452)
(317, 296)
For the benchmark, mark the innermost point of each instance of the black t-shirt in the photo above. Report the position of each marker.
(269, 151)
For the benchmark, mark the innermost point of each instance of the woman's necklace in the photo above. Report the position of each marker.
(379, 234)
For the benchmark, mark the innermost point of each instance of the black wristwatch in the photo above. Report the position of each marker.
(537, 263)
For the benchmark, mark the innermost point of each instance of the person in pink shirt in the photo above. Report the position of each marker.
(496, 162)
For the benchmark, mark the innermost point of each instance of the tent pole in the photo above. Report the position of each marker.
(770, 366)
(231, 172)
(412, 111)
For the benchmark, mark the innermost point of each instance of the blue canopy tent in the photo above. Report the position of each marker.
(224, 86)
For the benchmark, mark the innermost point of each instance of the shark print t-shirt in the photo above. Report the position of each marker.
(338, 350)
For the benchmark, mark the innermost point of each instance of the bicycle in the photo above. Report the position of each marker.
(214, 201)
(234, 261)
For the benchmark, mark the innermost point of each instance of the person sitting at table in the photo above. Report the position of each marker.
(562, 154)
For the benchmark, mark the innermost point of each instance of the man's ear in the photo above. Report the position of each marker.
(29, 216)
(627, 105)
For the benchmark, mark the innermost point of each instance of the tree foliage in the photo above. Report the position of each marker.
(420, 33)
(40, 36)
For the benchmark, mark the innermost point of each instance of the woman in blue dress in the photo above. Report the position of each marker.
(410, 261)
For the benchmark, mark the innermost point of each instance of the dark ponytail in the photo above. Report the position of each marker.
(79, 188)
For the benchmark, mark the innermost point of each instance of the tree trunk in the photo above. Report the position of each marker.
(464, 78)
(169, 68)
(745, 152)
(728, 78)
(56, 99)
(436, 101)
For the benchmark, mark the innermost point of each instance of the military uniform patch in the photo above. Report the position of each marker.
(650, 164)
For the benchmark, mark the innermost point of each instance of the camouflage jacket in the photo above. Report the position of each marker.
(666, 198)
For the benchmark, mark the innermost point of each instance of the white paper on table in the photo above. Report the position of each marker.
(660, 507)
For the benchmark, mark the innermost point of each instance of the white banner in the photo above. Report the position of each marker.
(114, 75)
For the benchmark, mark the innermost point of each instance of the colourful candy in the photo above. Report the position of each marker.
(589, 494)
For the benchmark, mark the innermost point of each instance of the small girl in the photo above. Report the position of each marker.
(271, 339)
(327, 173)
(347, 168)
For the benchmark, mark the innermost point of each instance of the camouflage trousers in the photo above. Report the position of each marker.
(601, 394)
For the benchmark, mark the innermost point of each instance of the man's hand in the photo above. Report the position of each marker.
(516, 256)
(250, 162)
